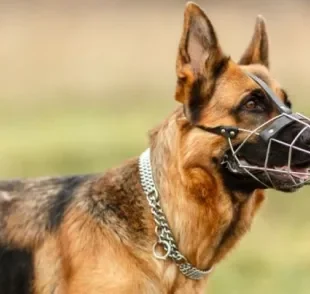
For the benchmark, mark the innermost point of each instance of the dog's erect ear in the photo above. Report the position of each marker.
(257, 51)
(199, 56)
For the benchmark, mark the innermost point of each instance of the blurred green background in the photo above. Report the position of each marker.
(83, 81)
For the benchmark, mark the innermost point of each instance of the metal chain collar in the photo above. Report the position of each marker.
(162, 230)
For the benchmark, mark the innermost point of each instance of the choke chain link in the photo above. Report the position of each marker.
(162, 230)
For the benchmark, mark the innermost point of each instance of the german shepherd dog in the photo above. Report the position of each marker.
(95, 233)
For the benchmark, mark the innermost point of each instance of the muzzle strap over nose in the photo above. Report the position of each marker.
(277, 125)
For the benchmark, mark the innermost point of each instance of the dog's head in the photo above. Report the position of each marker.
(216, 91)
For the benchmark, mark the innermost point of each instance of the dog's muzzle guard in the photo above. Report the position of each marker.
(268, 132)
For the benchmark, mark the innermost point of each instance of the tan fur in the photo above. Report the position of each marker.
(49, 268)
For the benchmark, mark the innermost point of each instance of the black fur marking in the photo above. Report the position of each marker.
(220, 67)
(196, 101)
(63, 200)
(16, 271)
(184, 53)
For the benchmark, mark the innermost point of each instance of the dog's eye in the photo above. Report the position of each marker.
(255, 102)
(251, 105)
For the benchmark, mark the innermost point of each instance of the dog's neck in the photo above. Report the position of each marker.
(205, 219)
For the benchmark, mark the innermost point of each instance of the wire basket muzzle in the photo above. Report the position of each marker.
(268, 132)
